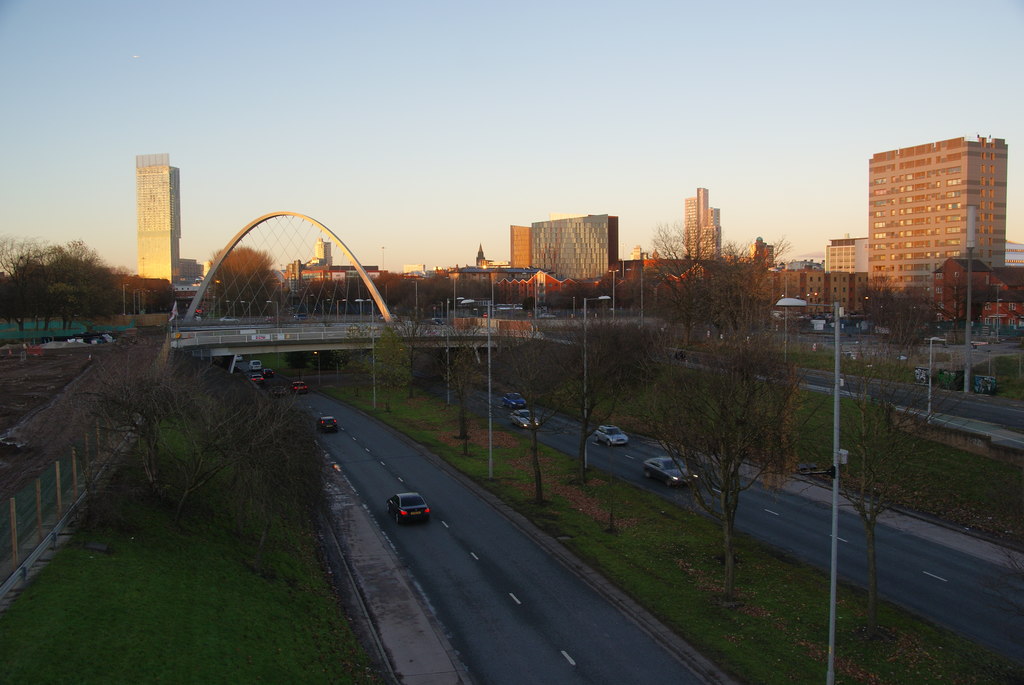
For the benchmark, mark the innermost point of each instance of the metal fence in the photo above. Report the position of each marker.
(31, 520)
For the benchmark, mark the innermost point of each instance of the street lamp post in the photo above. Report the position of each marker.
(930, 358)
(786, 303)
(838, 457)
(490, 412)
(613, 272)
(972, 217)
(277, 313)
(586, 397)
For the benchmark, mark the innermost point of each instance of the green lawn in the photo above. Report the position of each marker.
(666, 559)
(180, 605)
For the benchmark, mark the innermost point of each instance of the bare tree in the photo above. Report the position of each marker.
(22, 263)
(901, 315)
(880, 436)
(535, 367)
(730, 423)
(462, 372)
(616, 355)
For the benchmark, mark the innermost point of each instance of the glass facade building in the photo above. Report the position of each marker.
(158, 206)
(578, 247)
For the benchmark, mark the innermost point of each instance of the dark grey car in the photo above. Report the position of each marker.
(667, 470)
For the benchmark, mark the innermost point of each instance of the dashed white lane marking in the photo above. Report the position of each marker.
(568, 658)
(382, 463)
(514, 598)
(935, 576)
(400, 479)
(773, 513)
(444, 523)
(629, 456)
(474, 556)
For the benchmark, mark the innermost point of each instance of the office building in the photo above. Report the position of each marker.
(520, 256)
(847, 254)
(158, 208)
(917, 207)
(568, 246)
(702, 228)
(763, 252)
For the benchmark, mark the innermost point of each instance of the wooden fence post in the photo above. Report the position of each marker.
(39, 510)
(14, 532)
(60, 499)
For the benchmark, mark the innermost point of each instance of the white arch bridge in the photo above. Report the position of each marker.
(244, 277)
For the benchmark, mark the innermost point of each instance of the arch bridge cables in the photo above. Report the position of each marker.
(250, 280)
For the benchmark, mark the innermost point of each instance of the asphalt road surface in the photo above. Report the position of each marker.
(936, 571)
(512, 612)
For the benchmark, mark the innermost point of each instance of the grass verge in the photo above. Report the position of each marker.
(180, 604)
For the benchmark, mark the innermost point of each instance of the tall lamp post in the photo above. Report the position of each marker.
(838, 458)
(613, 272)
(930, 358)
(786, 303)
(360, 302)
(586, 397)
(972, 218)
(277, 313)
(490, 413)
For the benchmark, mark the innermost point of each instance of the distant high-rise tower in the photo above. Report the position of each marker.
(158, 205)
(917, 207)
(702, 228)
(323, 252)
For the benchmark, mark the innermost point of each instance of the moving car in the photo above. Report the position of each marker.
(513, 400)
(256, 378)
(278, 391)
(611, 435)
(300, 387)
(327, 424)
(521, 418)
(667, 470)
(267, 372)
(407, 507)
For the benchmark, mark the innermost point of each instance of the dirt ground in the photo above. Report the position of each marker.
(41, 398)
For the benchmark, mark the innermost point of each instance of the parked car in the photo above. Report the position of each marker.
(228, 319)
(667, 470)
(513, 400)
(521, 418)
(406, 507)
(267, 372)
(299, 387)
(327, 424)
(611, 435)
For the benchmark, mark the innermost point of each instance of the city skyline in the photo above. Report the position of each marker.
(361, 118)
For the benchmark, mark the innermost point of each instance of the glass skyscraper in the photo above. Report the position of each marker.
(158, 203)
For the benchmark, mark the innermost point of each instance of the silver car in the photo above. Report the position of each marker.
(611, 435)
(521, 418)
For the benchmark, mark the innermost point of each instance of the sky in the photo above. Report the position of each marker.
(428, 128)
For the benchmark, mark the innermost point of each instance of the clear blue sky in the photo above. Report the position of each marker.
(430, 127)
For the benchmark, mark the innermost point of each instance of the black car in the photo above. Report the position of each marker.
(667, 470)
(267, 373)
(407, 507)
(327, 424)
